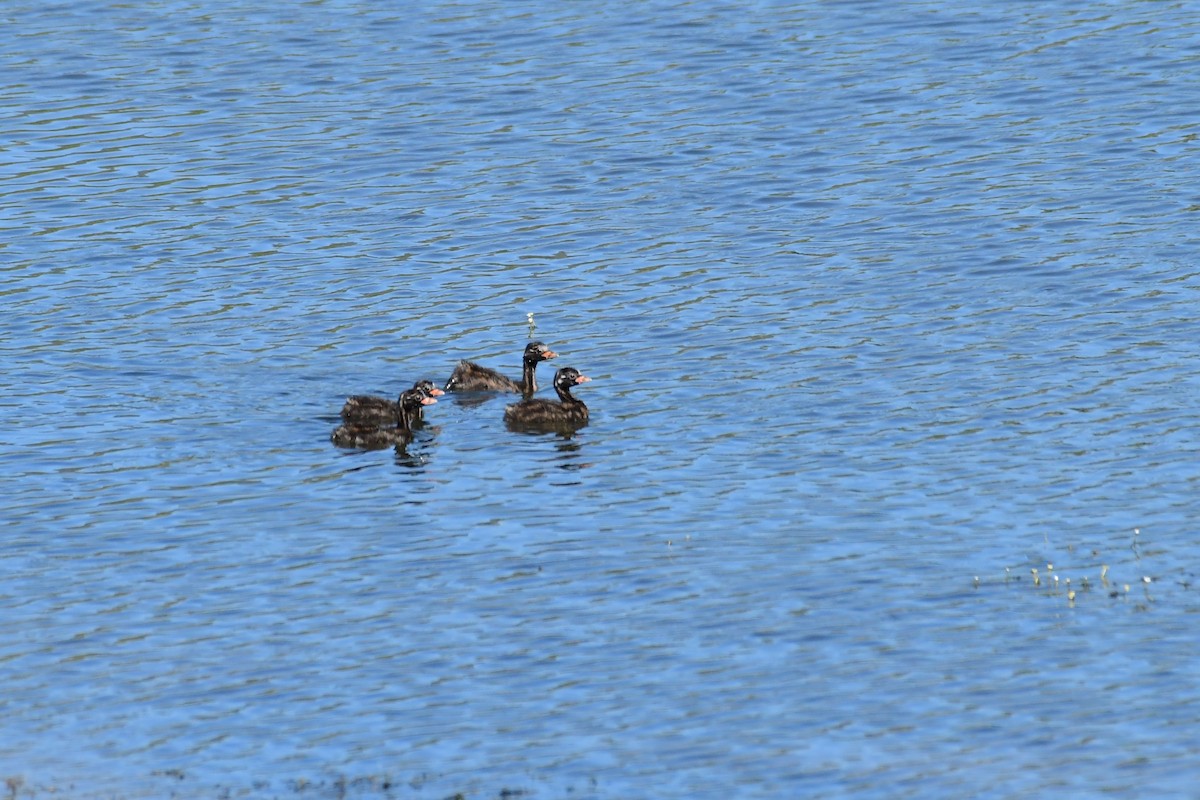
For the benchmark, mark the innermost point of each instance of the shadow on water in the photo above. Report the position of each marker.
(411, 461)
(567, 442)
(474, 399)
(412, 457)
(564, 431)
(569, 453)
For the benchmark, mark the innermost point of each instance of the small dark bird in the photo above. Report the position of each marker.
(470, 377)
(537, 412)
(379, 411)
(366, 436)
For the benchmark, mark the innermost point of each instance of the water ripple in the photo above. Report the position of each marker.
(886, 306)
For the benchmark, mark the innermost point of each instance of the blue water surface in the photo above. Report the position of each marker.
(889, 487)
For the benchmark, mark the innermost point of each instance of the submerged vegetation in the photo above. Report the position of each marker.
(1091, 578)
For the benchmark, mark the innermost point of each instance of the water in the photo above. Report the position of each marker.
(886, 305)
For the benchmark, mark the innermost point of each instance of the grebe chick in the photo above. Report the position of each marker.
(426, 388)
(379, 411)
(470, 377)
(538, 412)
(366, 436)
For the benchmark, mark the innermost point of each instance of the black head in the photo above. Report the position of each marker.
(427, 388)
(412, 399)
(569, 377)
(538, 351)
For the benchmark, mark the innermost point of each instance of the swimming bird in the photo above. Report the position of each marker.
(569, 410)
(470, 377)
(371, 410)
(366, 436)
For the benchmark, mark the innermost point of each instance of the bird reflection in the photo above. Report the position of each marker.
(471, 399)
(570, 450)
(413, 462)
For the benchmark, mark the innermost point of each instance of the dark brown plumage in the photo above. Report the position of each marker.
(366, 436)
(547, 413)
(379, 411)
(470, 377)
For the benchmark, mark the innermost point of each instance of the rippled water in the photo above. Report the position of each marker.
(886, 305)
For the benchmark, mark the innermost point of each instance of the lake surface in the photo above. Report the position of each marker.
(887, 306)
